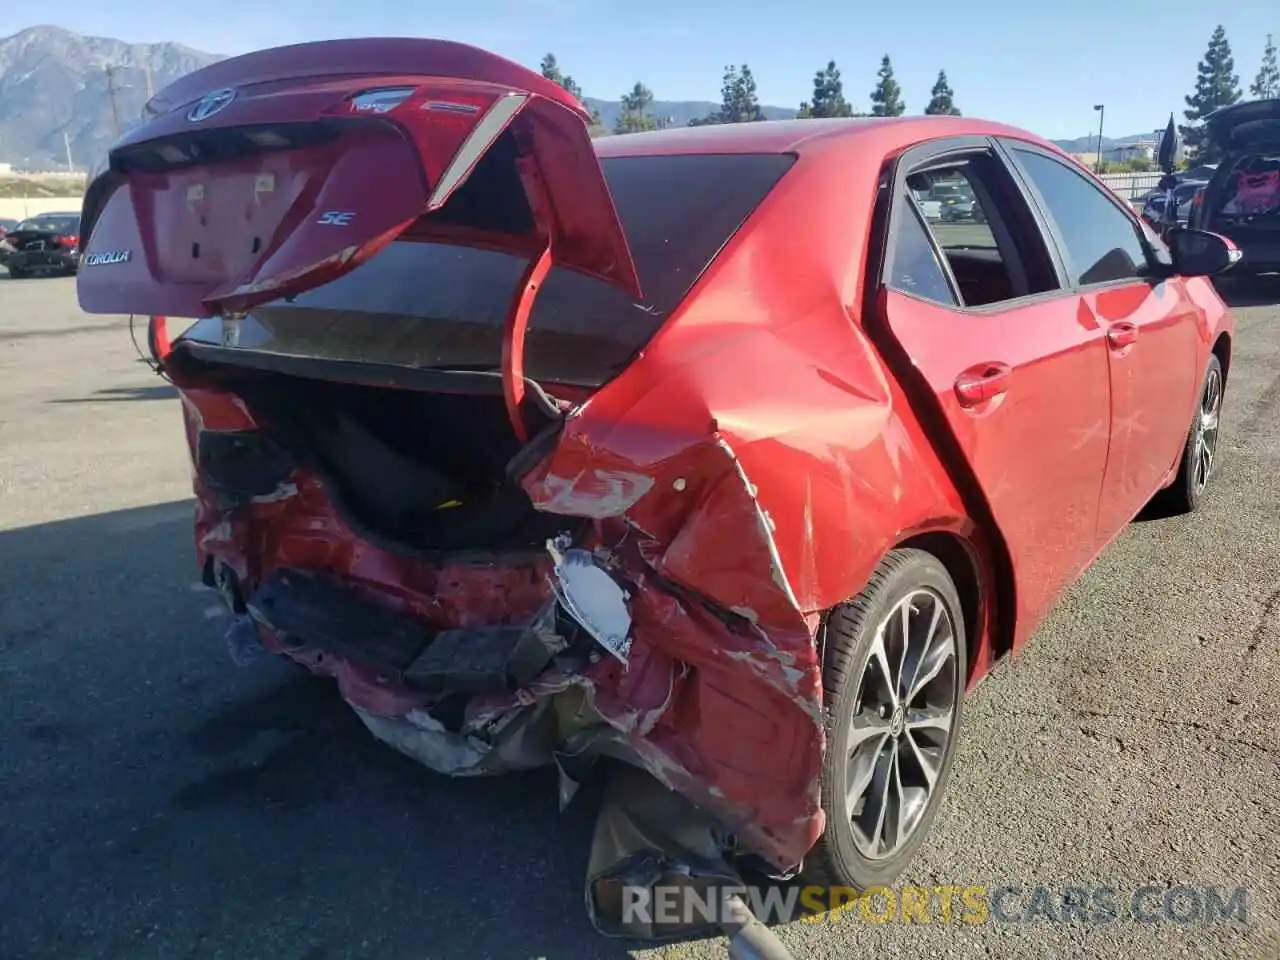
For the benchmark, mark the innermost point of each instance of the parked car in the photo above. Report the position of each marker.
(48, 242)
(1242, 199)
(1201, 171)
(6, 225)
(962, 208)
(1184, 195)
(696, 448)
(931, 208)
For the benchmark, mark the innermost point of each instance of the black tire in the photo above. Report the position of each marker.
(839, 857)
(1187, 491)
(17, 273)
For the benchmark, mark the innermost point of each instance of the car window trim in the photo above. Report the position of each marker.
(939, 256)
(938, 151)
(1010, 146)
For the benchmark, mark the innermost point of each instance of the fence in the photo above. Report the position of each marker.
(20, 209)
(1131, 185)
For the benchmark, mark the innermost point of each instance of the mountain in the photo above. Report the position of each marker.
(1089, 143)
(54, 81)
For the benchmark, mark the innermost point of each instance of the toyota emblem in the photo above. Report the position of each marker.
(209, 104)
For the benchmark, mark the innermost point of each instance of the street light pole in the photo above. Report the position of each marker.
(1102, 112)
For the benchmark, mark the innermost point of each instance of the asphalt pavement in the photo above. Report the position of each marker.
(158, 801)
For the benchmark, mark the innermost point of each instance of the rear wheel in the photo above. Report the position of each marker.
(1199, 456)
(17, 273)
(893, 678)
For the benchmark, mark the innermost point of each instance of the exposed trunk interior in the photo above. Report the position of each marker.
(1250, 193)
(418, 470)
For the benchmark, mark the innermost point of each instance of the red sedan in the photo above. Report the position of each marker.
(702, 449)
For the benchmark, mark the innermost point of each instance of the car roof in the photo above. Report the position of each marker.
(880, 134)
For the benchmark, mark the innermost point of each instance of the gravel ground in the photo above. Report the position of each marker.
(156, 801)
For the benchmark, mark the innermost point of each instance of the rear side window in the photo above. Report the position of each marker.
(915, 268)
(1102, 244)
(443, 305)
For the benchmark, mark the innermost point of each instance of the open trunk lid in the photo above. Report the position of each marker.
(1252, 125)
(269, 174)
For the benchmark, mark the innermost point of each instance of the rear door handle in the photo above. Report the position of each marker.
(1122, 334)
(982, 383)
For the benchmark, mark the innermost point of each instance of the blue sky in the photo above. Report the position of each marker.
(1036, 65)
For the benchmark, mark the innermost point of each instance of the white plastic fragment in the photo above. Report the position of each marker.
(593, 598)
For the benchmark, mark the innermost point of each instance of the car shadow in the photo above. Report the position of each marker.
(1157, 509)
(162, 391)
(1261, 291)
(160, 801)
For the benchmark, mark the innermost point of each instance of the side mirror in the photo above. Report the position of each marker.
(1198, 253)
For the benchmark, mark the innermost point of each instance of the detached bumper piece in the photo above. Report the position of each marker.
(334, 618)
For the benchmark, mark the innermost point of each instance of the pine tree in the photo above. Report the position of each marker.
(551, 70)
(1217, 85)
(1267, 82)
(748, 97)
(886, 98)
(940, 98)
(739, 102)
(635, 116)
(828, 95)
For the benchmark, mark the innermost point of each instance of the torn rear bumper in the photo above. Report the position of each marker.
(484, 664)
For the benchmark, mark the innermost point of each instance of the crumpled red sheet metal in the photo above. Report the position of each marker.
(720, 697)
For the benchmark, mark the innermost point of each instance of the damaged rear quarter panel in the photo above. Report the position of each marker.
(765, 461)
(746, 473)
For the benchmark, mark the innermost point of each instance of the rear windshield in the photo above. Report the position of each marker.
(433, 305)
(53, 223)
(1252, 188)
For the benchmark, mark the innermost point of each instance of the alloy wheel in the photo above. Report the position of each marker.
(1206, 443)
(903, 723)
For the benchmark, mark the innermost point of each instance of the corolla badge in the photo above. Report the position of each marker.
(209, 104)
(105, 257)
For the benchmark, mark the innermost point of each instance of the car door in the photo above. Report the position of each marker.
(1009, 370)
(1154, 330)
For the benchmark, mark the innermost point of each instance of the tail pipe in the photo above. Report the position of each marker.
(749, 938)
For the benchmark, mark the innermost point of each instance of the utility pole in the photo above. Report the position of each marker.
(1102, 112)
(66, 141)
(111, 92)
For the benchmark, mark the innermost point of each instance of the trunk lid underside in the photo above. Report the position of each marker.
(270, 174)
(1254, 124)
